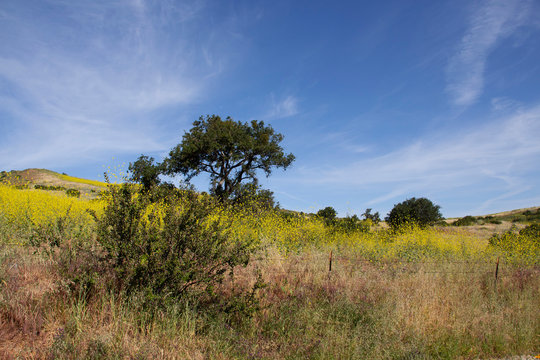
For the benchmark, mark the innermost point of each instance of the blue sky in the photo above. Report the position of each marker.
(379, 101)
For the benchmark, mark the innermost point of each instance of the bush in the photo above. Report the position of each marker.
(531, 231)
(465, 221)
(352, 223)
(524, 244)
(328, 214)
(49, 187)
(167, 247)
(73, 192)
(254, 196)
(375, 218)
(421, 212)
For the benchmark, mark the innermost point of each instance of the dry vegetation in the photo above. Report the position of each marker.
(419, 294)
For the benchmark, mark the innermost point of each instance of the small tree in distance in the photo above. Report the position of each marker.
(419, 211)
(373, 217)
(328, 214)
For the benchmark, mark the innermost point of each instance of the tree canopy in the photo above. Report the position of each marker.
(145, 171)
(419, 211)
(231, 152)
(328, 214)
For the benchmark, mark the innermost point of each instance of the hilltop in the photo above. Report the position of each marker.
(48, 178)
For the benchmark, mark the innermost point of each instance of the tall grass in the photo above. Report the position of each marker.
(414, 294)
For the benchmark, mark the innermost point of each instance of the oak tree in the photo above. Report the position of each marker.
(231, 152)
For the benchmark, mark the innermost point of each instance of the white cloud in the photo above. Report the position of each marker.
(504, 104)
(489, 23)
(86, 79)
(505, 150)
(284, 108)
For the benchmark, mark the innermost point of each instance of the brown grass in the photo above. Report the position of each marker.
(361, 309)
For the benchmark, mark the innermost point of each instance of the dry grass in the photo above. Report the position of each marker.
(27, 281)
(362, 309)
(485, 231)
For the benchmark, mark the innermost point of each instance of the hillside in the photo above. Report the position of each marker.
(48, 178)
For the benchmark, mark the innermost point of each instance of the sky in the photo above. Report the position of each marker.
(379, 101)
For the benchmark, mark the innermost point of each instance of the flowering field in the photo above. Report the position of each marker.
(369, 293)
(26, 208)
(290, 233)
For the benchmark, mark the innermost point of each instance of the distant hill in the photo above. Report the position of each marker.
(34, 178)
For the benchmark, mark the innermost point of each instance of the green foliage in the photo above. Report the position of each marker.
(167, 247)
(488, 220)
(524, 244)
(465, 221)
(351, 224)
(472, 220)
(230, 151)
(328, 214)
(10, 177)
(418, 211)
(375, 218)
(73, 192)
(145, 172)
(49, 187)
(532, 231)
(531, 216)
(253, 195)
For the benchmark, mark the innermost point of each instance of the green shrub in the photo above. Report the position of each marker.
(442, 223)
(73, 192)
(254, 196)
(523, 244)
(352, 223)
(167, 247)
(531, 231)
(328, 214)
(49, 187)
(375, 218)
(465, 221)
(421, 212)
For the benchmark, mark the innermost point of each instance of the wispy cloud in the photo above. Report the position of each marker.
(87, 78)
(490, 22)
(504, 104)
(506, 150)
(285, 107)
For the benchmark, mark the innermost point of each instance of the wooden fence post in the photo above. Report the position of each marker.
(330, 262)
(497, 272)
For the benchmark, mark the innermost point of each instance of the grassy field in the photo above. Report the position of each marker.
(435, 293)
